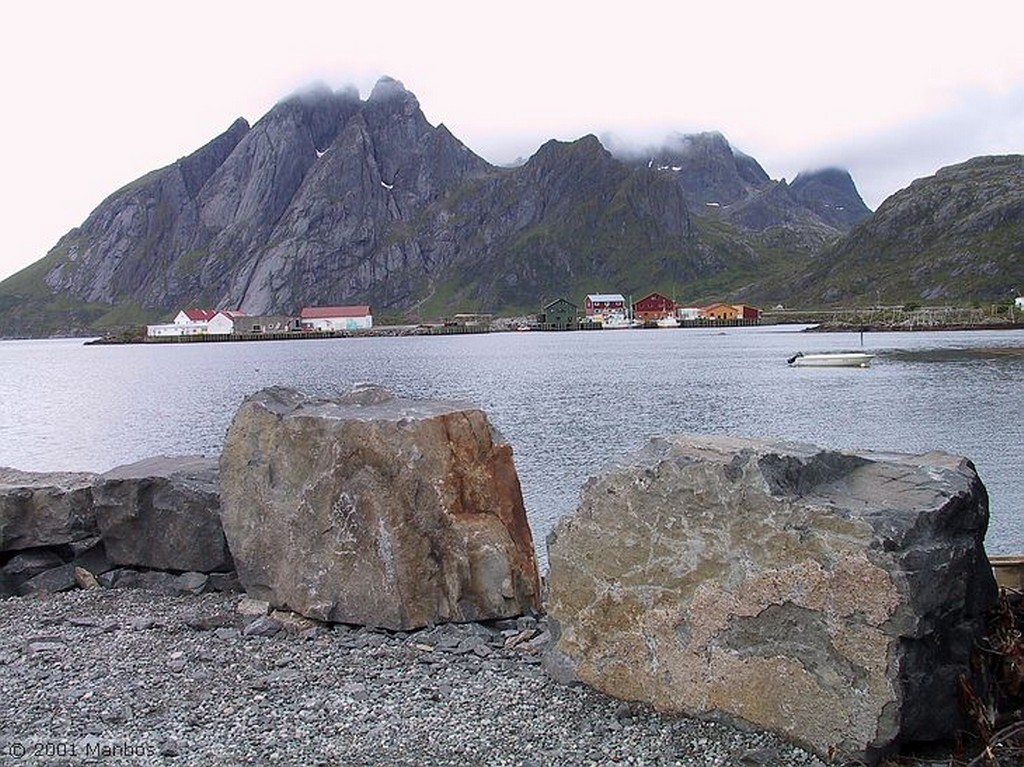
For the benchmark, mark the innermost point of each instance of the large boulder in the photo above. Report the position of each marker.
(833, 597)
(44, 508)
(374, 510)
(163, 513)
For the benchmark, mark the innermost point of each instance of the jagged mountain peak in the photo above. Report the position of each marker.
(389, 89)
(588, 144)
(708, 142)
(330, 198)
(831, 194)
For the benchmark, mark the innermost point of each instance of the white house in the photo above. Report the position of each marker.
(188, 322)
(1018, 303)
(330, 318)
(194, 316)
(223, 322)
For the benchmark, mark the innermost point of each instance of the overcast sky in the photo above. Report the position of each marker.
(98, 93)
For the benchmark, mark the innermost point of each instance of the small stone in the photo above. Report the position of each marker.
(84, 579)
(117, 715)
(45, 645)
(293, 623)
(264, 626)
(209, 622)
(224, 582)
(513, 641)
(83, 622)
(252, 608)
(169, 748)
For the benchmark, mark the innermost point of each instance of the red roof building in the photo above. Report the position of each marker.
(195, 315)
(604, 303)
(654, 307)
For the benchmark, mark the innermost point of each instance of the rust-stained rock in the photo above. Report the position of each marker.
(374, 510)
(831, 597)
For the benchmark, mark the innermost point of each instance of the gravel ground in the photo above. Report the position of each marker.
(130, 677)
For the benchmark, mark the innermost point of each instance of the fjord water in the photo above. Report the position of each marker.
(568, 403)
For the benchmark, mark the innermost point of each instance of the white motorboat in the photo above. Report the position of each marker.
(831, 360)
(617, 321)
(668, 322)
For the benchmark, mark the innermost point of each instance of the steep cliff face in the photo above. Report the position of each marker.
(709, 171)
(131, 244)
(336, 239)
(956, 235)
(330, 198)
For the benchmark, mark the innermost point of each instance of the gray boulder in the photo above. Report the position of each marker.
(51, 581)
(163, 513)
(40, 509)
(831, 597)
(28, 564)
(374, 510)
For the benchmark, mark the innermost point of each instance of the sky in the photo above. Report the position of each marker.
(99, 92)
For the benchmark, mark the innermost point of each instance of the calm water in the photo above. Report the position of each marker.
(567, 402)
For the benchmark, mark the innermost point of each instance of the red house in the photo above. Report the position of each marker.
(748, 312)
(654, 307)
(604, 303)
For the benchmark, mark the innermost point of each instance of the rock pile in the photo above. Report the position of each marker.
(367, 509)
(153, 524)
(831, 597)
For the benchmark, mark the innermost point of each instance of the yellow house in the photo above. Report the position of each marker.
(720, 312)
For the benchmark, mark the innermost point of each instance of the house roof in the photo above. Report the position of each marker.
(655, 295)
(559, 301)
(330, 312)
(605, 297)
(200, 315)
(232, 313)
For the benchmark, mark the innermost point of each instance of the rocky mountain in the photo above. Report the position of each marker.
(721, 183)
(954, 236)
(331, 199)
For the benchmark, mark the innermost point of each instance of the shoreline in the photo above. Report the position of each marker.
(403, 331)
(135, 677)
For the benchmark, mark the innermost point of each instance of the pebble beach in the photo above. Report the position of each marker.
(125, 676)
